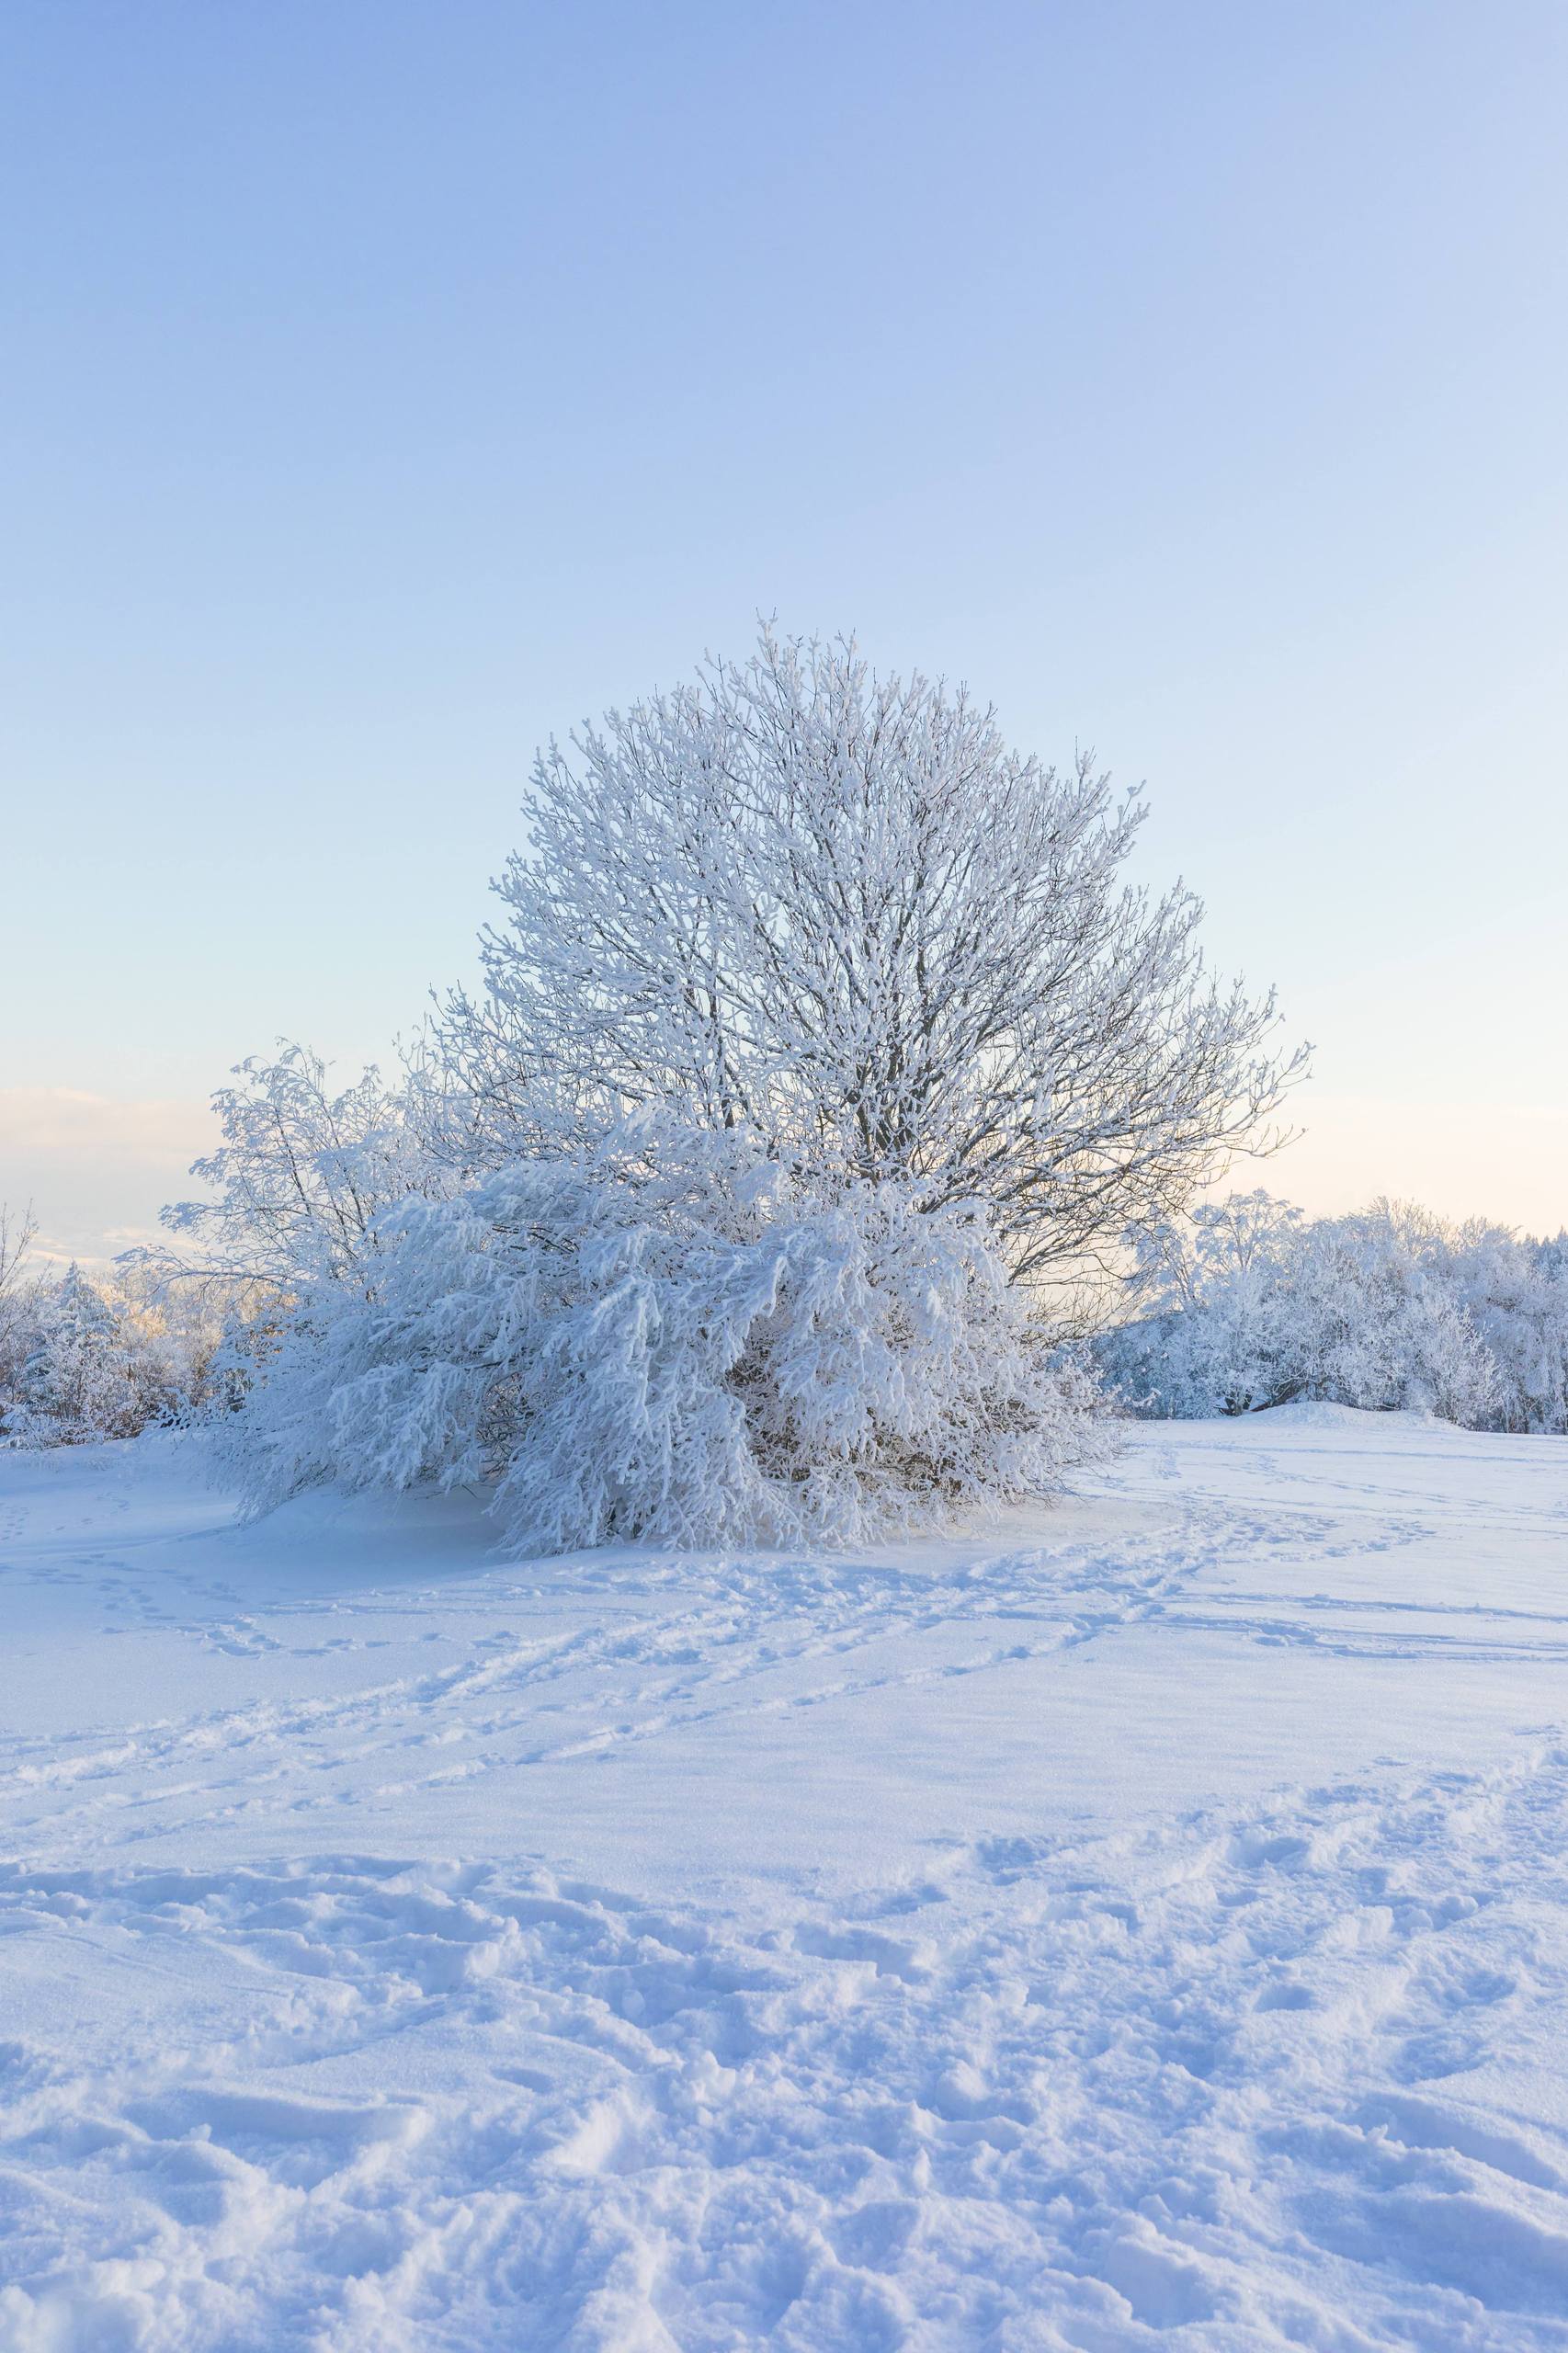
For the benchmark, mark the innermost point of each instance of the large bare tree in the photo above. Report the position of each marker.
(838, 910)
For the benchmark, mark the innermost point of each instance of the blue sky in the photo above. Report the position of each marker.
(387, 386)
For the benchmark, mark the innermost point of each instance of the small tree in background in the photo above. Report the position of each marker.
(85, 1357)
(18, 1293)
(301, 1172)
(1249, 1304)
(1215, 1291)
(74, 1375)
(102, 1363)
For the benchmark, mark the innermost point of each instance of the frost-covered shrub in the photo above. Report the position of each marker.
(77, 1373)
(660, 1336)
(1514, 1290)
(1212, 1339)
(82, 1360)
(1373, 1320)
(1251, 1306)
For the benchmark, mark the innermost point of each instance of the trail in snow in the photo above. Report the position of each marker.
(715, 1648)
(1148, 1926)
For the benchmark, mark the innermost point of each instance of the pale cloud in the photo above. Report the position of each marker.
(96, 1170)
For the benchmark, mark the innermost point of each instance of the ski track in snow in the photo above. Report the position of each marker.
(1285, 2073)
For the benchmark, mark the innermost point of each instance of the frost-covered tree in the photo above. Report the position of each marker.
(1377, 1321)
(662, 1335)
(1213, 1288)
(1247, 1305)
(1515, 1292)
(98, 1366)
(18, 1297)
(72, 1369)
(301, 1172)
(87, 1357)
(836, 911)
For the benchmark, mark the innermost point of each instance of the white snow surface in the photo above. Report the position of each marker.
(1141, 1923)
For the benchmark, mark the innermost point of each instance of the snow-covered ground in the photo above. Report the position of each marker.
(1141, 1924)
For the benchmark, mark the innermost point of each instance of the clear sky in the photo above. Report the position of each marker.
(387, 386)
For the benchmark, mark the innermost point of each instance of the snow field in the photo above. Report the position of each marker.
(1143, 1926)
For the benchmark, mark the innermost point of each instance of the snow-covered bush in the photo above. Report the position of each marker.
(1515, 1292)
(1247, 1304)
(662, 1336)
(84, 1360)
(1377, 1324)
(77, 1374)
(1211, 1338)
